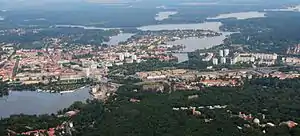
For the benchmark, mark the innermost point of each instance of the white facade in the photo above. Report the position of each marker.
(127, 54)
(121, 56)
(94, 66)
(87, 72)
(215, 61)
(208, 57)
(223, 60)
(262, 58)
(134, 57)
(244, 57)
(226, 52)
(221, 53)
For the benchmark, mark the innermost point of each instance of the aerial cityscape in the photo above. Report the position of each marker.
(149, 67)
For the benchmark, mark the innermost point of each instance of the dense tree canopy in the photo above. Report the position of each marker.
(153, 115)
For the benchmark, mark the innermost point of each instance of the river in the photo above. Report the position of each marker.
(32, 102)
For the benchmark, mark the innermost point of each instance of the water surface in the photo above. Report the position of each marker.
(122, 37)
(29, 102)
(85, 27)
(214, 26)
(164, 15)
(240, 15)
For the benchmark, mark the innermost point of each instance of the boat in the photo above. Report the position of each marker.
(69, 91)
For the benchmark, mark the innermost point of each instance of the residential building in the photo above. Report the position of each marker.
(215, 61)
(221, 53)
(226, 52)
(223, 60)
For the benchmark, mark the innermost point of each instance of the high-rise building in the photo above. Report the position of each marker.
(232, 62)
(221, 53)
(223, 60)
(215, 61)
(121, 56)
(127, 54)
(134, 57)
(87, 72)
(226, 52)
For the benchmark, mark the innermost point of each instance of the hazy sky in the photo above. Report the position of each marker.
(46, 3)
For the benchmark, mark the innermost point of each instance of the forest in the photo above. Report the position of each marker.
(277, 99)
(274, 33)
(40, 37)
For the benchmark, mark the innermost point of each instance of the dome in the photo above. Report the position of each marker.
(256, 121)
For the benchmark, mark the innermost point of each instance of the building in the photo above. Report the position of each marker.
(221, 53)
(243, 57)
(264, 56)
(260, 58)
(121, 56)
(223, 60)
(219, 83)
(208, 57)
(134, 57)
(215, 61)
(127, 54)
(292, 60)
(231, 62)
(226, 52)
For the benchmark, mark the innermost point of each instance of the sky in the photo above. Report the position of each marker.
(39, 3)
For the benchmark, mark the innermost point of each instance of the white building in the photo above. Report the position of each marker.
(208, 57)
(226, 52)
(223, 60)
(87, 72)
(121, 56)
(260, 58)
(264, 56)
(243, 57)
(134, 57)
(231, 62)
(127, 54)
(221, 53)
(94, 66)
(215, 61)
(138, 61)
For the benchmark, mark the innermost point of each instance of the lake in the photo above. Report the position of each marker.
(240, 15)
(85, 27)
(32, 102)
(164, 15)
(122, 37)
(192, 43)
(215, 26)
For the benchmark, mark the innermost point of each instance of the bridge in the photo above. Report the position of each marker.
(180, 52)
